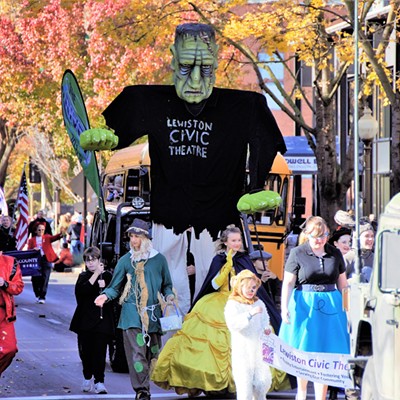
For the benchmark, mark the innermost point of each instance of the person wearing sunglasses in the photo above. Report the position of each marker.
(311, 304)
(40, 219)
(43, 242)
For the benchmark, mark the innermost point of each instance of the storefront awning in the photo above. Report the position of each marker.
(299, 156)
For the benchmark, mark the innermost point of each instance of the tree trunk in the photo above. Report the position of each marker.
(8, 140)
(45, 186)
(331, 190)
(395, 174)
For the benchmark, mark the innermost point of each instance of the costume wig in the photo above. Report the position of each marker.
(243, 279)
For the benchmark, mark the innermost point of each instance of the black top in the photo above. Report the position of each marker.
(366, 260)
(87, 315)
(7, 241)
(198, 163)
(74, 230)
(311, 269)
(241, 261)
(274, 288)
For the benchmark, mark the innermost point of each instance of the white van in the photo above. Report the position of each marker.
(374, 314)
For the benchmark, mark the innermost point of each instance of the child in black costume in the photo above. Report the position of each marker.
(94, 325)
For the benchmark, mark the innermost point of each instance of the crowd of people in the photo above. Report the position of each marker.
(211, 330)
(53, 253)
(61, 251)
(232, 310)
(70, 225)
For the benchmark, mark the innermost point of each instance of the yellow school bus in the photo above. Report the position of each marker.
(127, 176)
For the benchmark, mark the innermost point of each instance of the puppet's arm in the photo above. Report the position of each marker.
(98, 139)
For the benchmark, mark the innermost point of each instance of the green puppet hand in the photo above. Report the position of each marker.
(257, 202)
(98, 139)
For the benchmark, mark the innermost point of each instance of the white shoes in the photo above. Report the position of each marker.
(99, 388)
(86, 385)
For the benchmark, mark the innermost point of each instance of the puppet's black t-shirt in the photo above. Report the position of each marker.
(198, 163)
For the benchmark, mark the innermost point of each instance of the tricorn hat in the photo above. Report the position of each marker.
(338, 234)
(255, 255)
(139, 227)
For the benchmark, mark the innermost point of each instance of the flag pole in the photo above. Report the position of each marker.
(19, 188)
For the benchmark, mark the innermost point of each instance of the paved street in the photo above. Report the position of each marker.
(48, 364)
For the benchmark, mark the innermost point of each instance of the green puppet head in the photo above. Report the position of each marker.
(194, 61)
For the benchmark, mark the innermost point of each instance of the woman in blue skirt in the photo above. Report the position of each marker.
(312, 316)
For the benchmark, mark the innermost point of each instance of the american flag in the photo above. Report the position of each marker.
(21, 231)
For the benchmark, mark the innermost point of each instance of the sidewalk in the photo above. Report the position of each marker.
(61, 278)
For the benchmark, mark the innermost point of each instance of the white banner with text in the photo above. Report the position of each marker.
(326, 368)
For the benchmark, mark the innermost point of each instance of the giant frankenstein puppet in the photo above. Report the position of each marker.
(199, 138)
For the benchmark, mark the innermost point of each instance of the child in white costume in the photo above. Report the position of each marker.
(248, 320)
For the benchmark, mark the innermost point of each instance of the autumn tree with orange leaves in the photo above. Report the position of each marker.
(107, 44)
(39, 40)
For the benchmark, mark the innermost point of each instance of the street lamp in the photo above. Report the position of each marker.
(367, 130)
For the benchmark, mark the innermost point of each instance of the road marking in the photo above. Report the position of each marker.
(46, 350)
(271, 395)
(53, 321)
(98, 396)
